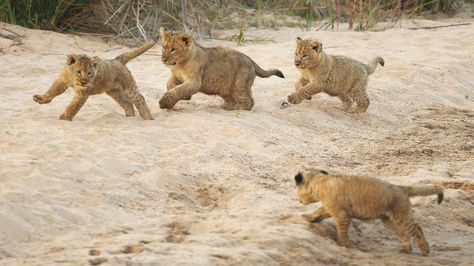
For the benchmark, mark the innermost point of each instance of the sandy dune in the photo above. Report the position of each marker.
(204, 186)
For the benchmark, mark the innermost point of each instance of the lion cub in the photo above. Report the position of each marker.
(213, 71)
(347, 197)
(89, 76)
(338, 76)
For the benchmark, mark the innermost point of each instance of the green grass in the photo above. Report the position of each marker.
(42, 14)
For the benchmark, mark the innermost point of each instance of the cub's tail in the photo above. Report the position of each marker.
(373, 64)
(266, 73)
(129, 55)
(424, 191)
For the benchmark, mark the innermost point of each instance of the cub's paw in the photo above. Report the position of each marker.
(40, 99)
(294, 99)
(167, 102)
(65, 117)
(311, 219)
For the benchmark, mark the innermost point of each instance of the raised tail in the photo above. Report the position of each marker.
(129, 55)
(373, 64)
(413, 191)
(266, 73)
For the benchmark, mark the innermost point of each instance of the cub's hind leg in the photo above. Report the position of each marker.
(346, 102)
(242, 93)
(229, 103)
(395, 226)
(417, 233)
(359, 94)
(56, 89)
(125, 103)
(137, 99)
(408, 229)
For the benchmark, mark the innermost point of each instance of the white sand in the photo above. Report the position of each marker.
(200, 185)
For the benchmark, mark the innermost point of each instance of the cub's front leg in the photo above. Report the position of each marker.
(181, 92)
(300, 83)
(317, 216)
(172, 83)
(56, 89)
(77, 102)
(305, 92)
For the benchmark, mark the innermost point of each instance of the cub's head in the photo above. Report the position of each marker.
(307, 186)
(176, 46)
(308, 53)
(82, 68)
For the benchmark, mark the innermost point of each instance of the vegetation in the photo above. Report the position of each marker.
(141, 19)
(43, 14)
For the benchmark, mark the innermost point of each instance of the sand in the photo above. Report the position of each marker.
(204, 186)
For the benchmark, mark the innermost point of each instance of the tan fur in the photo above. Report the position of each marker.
(213, 71)
(338, 76)
(347, 197)
(89, 76)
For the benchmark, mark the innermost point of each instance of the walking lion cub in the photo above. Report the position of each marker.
(347, 197)
(89, 76)
(339, 76)
(214, 71)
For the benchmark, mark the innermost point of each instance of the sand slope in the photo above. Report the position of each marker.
(203, 186)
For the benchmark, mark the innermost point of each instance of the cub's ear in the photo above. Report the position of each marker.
(186, 38)
(163, 33)
(299, 178)
(71, 59)
(317, 46)
(95, 61)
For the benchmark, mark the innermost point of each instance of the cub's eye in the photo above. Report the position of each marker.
(89, 74)
(173, 50)
(305, 55)
(78, 72)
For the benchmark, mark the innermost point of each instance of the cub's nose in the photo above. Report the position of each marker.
(83, 82)
(297, 63)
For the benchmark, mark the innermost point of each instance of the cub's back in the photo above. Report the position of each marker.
(366, 197)
(223, 66)
(112, 74)
(348, 65)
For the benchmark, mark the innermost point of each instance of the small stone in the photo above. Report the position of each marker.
(94, 252)
(427, 151)
(133, 248)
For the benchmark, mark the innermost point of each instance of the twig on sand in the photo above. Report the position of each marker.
(337, 46)
(81, 47)
(441, 26)
(17, 34)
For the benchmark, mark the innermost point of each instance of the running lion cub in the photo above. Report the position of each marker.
(89, 76)
(347, 197)
(213, 71)
(339, 76)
